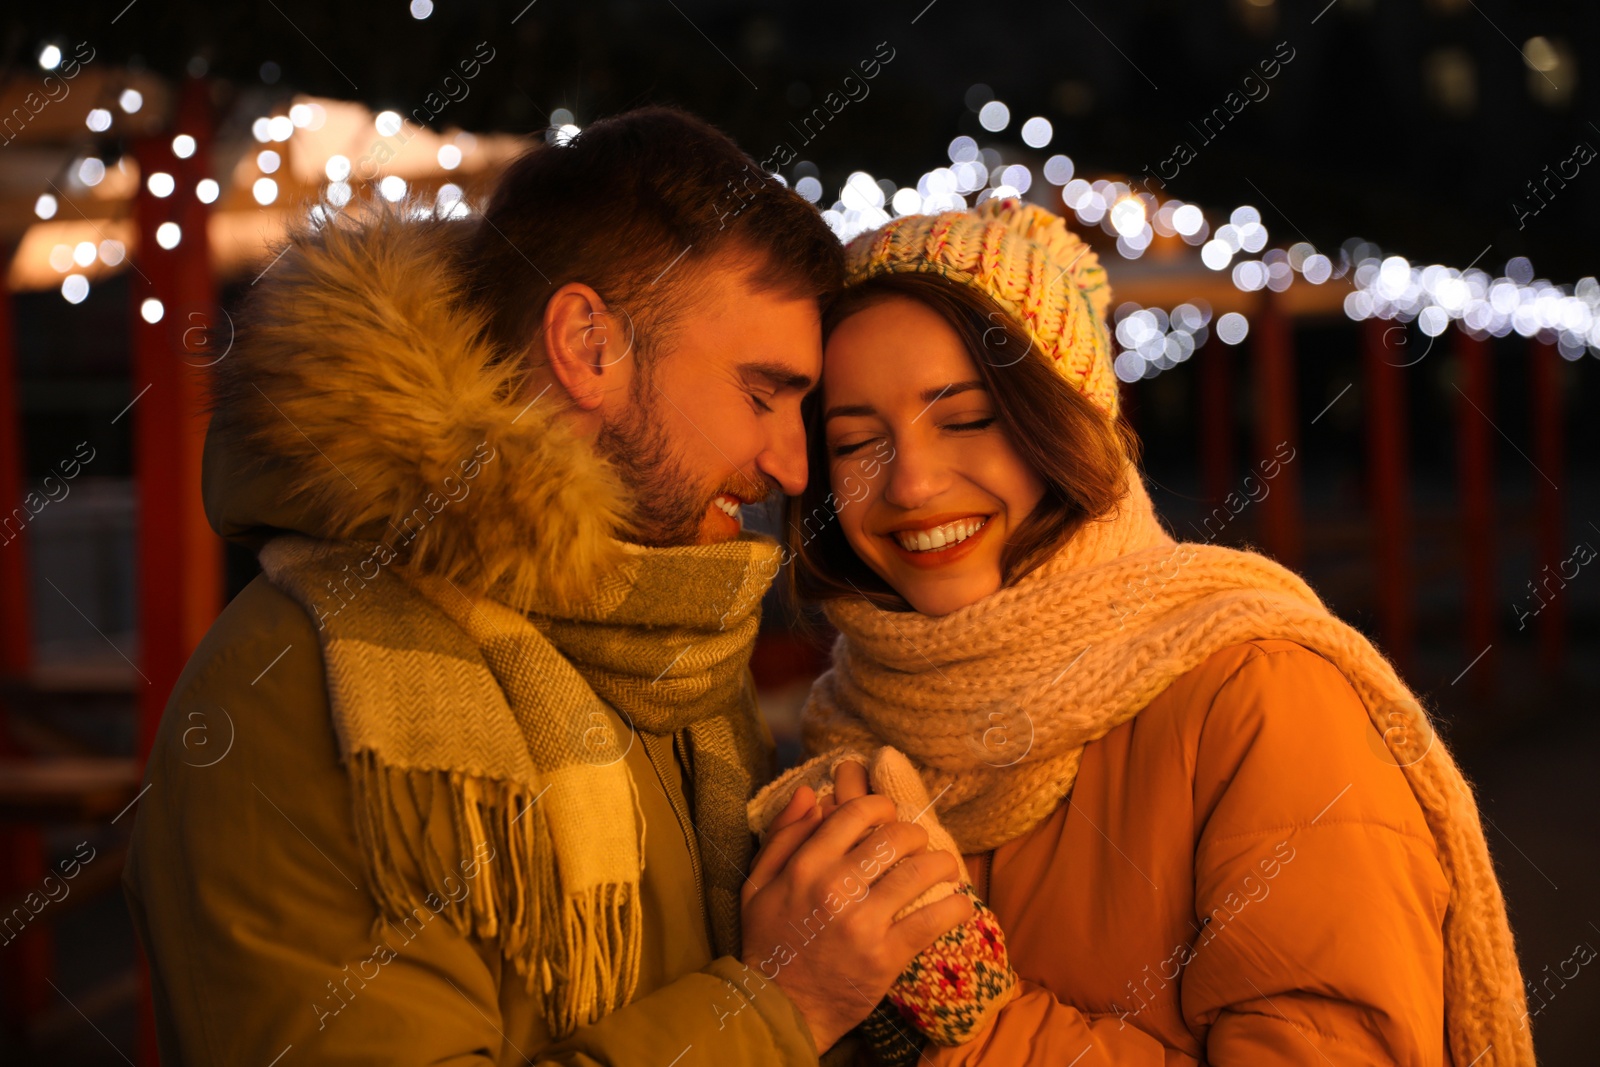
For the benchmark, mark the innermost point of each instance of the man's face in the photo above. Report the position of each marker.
(713, 419)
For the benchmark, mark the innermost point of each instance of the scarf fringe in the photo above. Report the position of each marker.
(579, 955)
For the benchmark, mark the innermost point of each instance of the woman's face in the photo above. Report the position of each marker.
(927, 484)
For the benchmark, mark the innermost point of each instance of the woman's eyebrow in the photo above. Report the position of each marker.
(930, 395)
(839, 410)
(927, 396)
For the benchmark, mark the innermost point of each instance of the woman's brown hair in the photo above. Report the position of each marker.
(1080, 455)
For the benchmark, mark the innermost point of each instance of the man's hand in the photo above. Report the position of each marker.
(819, 905)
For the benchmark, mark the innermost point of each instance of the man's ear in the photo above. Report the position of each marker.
(586, 344)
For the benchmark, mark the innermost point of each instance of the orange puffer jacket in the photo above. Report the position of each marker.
(1241, 875)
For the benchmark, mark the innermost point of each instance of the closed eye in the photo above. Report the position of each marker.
(979, 424)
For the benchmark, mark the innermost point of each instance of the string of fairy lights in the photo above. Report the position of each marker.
(1149, 340)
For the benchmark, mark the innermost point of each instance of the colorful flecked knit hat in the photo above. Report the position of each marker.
(1027, 261)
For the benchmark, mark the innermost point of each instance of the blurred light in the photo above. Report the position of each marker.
(809, 188)
(994, 116)
(49, 57)
(99, 119)
(1129, 366)
(339, 193)
(562, 117)
(1519, 269)
(183, 146)
(566, 132)
(1036, 132)
(449, 156)
(387, 123)
(280, 128)
(1216, 253)
(1252, 236)
(61, 258)
(1017, 177)
(1232, 328)
(45, 206)
(161, 184)
(1317, 268)
(301, 115)
(92, 171)
(168, 235)
(1187, 220)
(421, 9)
(906, 202)
(75, 287)
(962, 150)
(1127, 216)
(131, 100)
(1243, 215)
(1249, 275)
(1432, 321)
(151, 310)
(1058, 170)
(207, 190)
(265, 190)
(337, 168)
(861, 193)
(112, 252)
(268, 161)
(393, 188)
(261, 130)
(1540, 54)
(84, 253)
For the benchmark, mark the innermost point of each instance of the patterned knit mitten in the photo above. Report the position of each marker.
(951, 990)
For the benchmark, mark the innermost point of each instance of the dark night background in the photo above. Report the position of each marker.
(1414, 124)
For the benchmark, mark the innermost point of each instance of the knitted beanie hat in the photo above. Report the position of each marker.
(1023, 258)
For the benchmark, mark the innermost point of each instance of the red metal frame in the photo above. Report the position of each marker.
(1545, 367)
(1277, 423)
(1388, 475)
(1475, 473)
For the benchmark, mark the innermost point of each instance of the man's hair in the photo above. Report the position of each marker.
(631, 206)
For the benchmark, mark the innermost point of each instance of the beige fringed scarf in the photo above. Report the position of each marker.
(1083, 644)
(472, 731)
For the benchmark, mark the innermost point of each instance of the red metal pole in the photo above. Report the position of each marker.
(1215, 368)
(26, 964)
(1277, 430)
(1388, 465)
(1475, 471)
(16, 624)
(179, 557)
(1545, 367)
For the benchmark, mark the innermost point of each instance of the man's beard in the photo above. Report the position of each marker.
(668, 508)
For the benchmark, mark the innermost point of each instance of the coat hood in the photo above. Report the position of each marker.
(361, 402)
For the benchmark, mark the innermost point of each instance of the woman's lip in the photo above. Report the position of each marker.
(938, 557)
(935, 521)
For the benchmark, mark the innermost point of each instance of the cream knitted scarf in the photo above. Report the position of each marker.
(1085, 642)
(473, 732)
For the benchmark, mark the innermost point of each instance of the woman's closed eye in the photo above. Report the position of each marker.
(848, 448)
(973, 425)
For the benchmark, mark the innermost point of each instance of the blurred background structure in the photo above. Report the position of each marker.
(1359, 240)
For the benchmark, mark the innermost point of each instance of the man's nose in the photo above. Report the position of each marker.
(784, 459)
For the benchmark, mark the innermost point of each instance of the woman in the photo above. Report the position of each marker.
(1212, 822)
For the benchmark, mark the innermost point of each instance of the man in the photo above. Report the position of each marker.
(461, 778)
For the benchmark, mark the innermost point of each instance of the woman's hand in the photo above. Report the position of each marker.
(849, 782)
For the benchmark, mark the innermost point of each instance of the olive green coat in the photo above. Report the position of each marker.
(245, 880)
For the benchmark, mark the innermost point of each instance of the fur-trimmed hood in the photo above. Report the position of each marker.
(361, 402)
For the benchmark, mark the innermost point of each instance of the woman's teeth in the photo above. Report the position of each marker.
(940, 536)
(729, 506)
